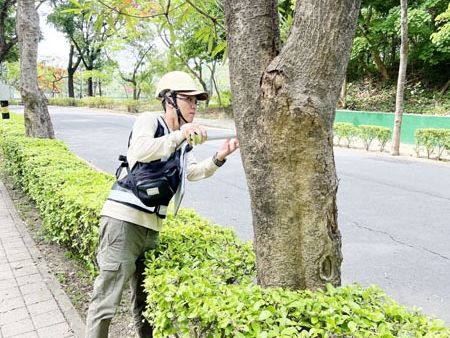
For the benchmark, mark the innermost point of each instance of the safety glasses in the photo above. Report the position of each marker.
(190, 99)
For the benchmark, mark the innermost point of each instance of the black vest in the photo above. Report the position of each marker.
(150, 186)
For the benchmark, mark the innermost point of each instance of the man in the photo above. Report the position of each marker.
(147, 179)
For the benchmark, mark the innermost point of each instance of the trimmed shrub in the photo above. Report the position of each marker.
(130, 105)
(346, 131)
(200, 283)
(68, 193)
(64, 101)
(433, 139)
(201, 278)
(368, 134)
(383, 136)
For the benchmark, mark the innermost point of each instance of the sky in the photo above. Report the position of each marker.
(54, 47)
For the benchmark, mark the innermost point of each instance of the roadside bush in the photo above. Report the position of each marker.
(200, 279)
(346, 131)
(64, 101)
(433, 140)
(225, 100)
(98, 102)
(366, 133)
(68, 193)
(200, 283)
(383, 136)
(15, 101)
(129, 105)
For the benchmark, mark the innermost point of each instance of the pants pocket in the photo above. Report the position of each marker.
(106, 282)
(110, 266)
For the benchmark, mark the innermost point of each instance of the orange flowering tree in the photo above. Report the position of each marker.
(50, 78)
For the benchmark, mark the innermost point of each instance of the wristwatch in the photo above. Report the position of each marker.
(218, 162)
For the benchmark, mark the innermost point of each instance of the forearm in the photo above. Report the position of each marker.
(146, 148)
(198, 171)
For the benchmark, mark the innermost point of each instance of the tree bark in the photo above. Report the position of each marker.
(135, 92)
(37, 119)
(70, 87)
(214, 83)
(380, 65)
(395, 148)
(342, 103)
(445, 87)
(90, 85)
(284, 106)
(71, 69)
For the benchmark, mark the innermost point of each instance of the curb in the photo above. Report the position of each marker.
(71, 315)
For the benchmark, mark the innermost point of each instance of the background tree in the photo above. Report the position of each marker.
(67, 25)
(376, 48)
(36, 116)
(395, 148)
(85, 32)
(288, 97)
(11, 76)
(71, 69)
(138, 49)
(195, 36)
(8, 37)
(50, 78)
(441, 40)
(192, 31)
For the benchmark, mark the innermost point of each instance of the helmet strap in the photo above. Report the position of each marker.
(173, 96)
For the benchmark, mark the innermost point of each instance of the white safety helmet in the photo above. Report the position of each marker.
(179, 82)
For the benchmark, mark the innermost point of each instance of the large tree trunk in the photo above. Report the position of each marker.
(395, 148)
(37, 118)
(284, 106)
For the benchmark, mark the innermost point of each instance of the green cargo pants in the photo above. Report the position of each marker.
(120, 259)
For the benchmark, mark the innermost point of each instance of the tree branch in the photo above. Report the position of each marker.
(141, 59)
(80, 52)
(118, 11)
(445, 87)
(213, 19)
(40, 3)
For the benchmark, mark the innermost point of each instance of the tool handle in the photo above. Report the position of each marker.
(215, 136)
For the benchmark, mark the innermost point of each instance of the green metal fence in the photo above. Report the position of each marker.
(410, 122)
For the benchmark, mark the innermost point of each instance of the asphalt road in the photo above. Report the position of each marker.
(394, 213)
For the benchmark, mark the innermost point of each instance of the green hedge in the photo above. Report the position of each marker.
(201, 278)
(68, 193)
(200, 283)
(345, 131)
(130, 105)
(365, 133)
(433, 140)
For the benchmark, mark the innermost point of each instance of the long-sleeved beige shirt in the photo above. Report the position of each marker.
(144, 147)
